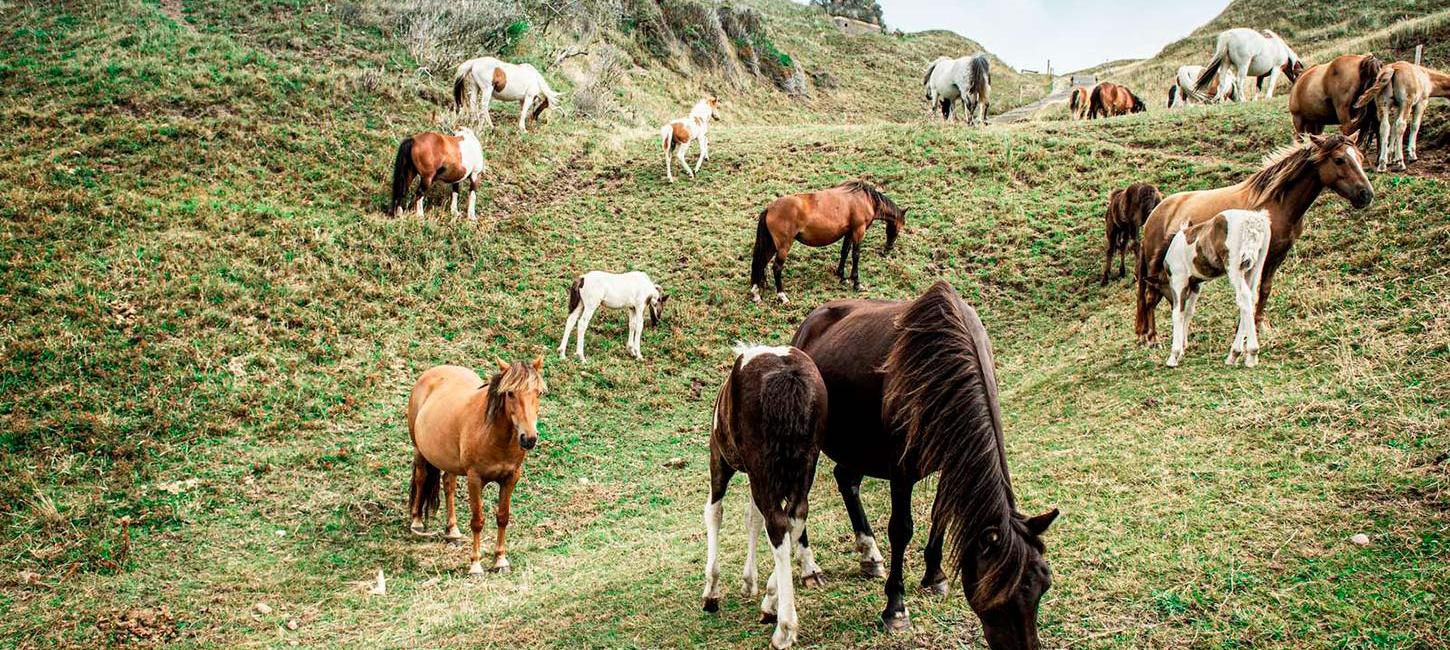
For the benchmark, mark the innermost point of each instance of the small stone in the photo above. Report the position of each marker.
(292, 624)
(263, 608)
(281, 533)
(380, 585)
(675, 463)
(1360, 539)
(583, 481)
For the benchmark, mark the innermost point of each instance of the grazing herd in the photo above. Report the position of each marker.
(902, 390)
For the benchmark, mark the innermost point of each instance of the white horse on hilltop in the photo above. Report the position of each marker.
(485, 78)
(633, 291)
(1242, 53)
(968, 79)
(678, 134)
(1233, 243)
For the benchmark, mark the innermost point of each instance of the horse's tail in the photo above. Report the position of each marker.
(926, 80)
(402, 175)
(1253, 240)
(667, 138)
(1210, 72)
(575, 297)
(1366, 115)
(1172, 94)
(425, 493)
(1095, 102)
(459, 79)
(1074, 102)
(981, 77)
(764, 250)
(789, 412)
(1381, 83)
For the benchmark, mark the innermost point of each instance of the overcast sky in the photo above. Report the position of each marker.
(1075, 34)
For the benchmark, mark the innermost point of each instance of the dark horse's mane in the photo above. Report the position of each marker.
(519, 376)
(884, 204)
(941, 392)
(1287, 165)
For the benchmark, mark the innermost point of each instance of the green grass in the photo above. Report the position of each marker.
(211, 330)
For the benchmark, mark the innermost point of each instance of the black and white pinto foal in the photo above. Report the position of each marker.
(770, 418)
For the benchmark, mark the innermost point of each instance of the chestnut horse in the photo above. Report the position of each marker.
(1325, 94)
(843, 213)
(1400, 93)
(1109, 99)
(1077, 106)
(438, 157)
(912, 392)
(1286, 186)
(769, 420)
(1128, 208)
(463, 426)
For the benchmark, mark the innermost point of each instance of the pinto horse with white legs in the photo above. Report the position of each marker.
(1234, 243)
(437, 157)
(1285, 187)
(769, 419)
(913, 392)
(695, 127)
(464, 426)
(1241, 53)
(483, 79)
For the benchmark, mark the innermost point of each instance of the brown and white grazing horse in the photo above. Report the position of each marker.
(1077, 105)
(678, 134)
(1325, 94)
(1128, 208)
(463, 426)
(438, 157)
(1109, 100)
(485, 78)
(1183, 92)
(769, 420)
(843, 213)
(1400, 93)
(912, 392)
(1286, 187)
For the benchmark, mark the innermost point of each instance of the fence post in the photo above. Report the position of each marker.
(1418, 49)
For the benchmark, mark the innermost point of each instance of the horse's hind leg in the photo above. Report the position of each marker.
(895, 617)
(1402, 123)
(569, 327)
(856, 264)
(454, 208)
(749, 578)
(811, 574)
(776, 267)
(849, 484)
(1108, 260)
(720, 474)
(1415, 129)
(417, 506)
(450, 492)
(680, 153)
(1385, 123)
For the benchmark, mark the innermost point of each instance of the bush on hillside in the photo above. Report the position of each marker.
(441, 33)
(594, 94)
(743, 26)
(866, 11)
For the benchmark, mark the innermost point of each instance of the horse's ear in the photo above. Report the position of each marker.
(502, 366)
(1038, 525)
(539, 363)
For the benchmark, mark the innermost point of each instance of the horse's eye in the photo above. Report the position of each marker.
(1339, 161)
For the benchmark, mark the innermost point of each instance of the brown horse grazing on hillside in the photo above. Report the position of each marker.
(1109, 99)
(1400, 93)
(913, 391)
(463, 426)
(1325, 94)
(1286, 186)
(770, 417)
(843, 213)
(1077, 106)
(1128, 208)
(437, 157)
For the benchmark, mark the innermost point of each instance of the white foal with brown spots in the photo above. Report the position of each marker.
(486, 78)
(1233, 243)
(633, 291)
(677, 135)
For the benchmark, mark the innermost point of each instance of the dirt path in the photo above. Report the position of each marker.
(1061, 90)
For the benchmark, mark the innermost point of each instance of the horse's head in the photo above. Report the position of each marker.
(657, 306)
(1340, 166)
(709, 107)
(1293, 68)
(514, 393)
(1007, 577)
(1138, 105)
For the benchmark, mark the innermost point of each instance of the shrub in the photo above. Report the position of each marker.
(594, 94)
(442, 33)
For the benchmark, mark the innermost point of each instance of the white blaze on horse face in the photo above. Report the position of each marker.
(749, 353)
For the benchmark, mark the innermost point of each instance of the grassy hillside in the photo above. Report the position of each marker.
(210, 332)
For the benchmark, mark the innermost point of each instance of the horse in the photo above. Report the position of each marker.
(1077, 105)
(967, 78)
(1326, 93)
(1182, 91)
(633, 291)
(438, 157)
(1109, 99)
(1128, 208)
(1286, 186)
(678, 134)
(821, 218)
(770, 417)
(484, 78)
(463, 426)
(1400, 93)
(912, 392)
(1242, 53)
(1233, 243)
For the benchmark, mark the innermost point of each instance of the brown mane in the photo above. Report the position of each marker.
(1290, 163)
(519, 377)
(883, 203)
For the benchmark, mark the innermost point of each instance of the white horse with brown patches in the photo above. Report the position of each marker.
(1233, 243)
(633, 291)
(678, 134)
(485, 78)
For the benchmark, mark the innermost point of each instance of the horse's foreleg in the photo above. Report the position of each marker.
(475, 503)
(1190, 307)
(1177, 293)
(568, 327)
(1415, 128)
(1383, 163)
(845, 250)
(849, 485)
(895, 616)
(935, 579)
(1108, 259)
(636, 330)
(501, 520)
(720, 474)
(856, 263)
(1273, 81)
(450, 492)
(704, 153)
(454, 207)
(472, 200)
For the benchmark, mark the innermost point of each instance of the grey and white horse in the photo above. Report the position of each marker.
(968, 79)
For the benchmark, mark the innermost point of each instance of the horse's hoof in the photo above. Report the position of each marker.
(767, 618)
(1251, 360)
(712, 605)
(896, 624)
(783, 638)
(453, 535)
(501, 568)
(783, 300)
(1172, 362)
(870, 569)
(813, 580)
(418, 530)
(1400, 167)
(476, 569)
(936, 589)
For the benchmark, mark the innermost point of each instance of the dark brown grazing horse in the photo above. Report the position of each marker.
(462, 426)
(1127, 210)
(433, 157)
(770, 417)
(1287, 185)
(1109, 99)
(1325, 94)
(913, 392)
(843, 213)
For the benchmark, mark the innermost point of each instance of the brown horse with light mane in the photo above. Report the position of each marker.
(463, 426)
(1109, 99)
(1325, 94)
(1286, 186)
(841, 213)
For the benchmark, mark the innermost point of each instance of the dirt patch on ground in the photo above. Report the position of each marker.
(145, 627)
(174, 11)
